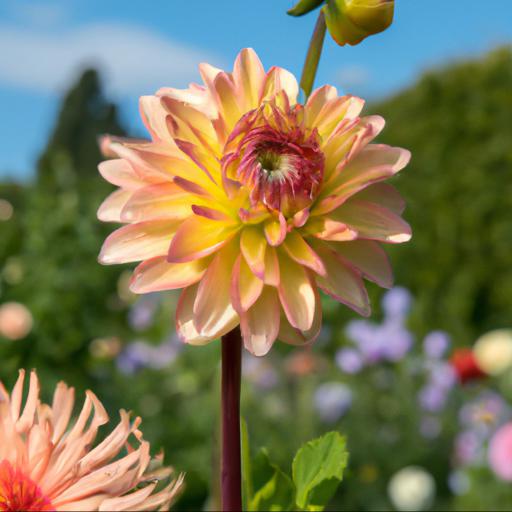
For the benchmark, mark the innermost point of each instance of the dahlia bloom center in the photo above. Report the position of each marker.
(18, 492)
(282, 166)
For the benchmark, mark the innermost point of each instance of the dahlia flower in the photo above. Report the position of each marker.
(48, 463)
(251, 202)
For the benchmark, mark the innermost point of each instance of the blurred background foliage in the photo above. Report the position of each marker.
(89, 330)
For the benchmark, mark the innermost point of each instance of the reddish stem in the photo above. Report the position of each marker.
(231, 465)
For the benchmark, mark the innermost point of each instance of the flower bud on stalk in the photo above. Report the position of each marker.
(351, 21)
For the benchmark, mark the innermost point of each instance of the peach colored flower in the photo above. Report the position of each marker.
(15, 321)
(48, 463)
(251, 201)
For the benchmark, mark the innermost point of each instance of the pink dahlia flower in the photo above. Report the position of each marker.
(250, 202)
(500, 452)
(48, 463)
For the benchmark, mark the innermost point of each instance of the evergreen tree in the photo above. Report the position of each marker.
(85, 114)
(73, 299)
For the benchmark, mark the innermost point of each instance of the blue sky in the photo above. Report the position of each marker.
(143, 45)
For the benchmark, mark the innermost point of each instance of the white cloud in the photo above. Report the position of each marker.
(133, 60)
(353, 77)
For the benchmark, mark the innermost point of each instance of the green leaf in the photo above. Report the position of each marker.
(275, 488)
(318, 469)
(304, 6)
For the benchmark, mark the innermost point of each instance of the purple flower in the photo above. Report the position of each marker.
(459, 482)
(332, 400)
(432, 398)
(142, 312)
(358, 330)
(468, 447)
(349, 360)
(134, 357)
(396, 341)
(485, 412)
(435, 344)
(443, 375)
(367, 338)
(430, 427)
(140, 355)
(260, 372)
(396, 303)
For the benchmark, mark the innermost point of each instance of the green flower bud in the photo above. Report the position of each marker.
(351, 21)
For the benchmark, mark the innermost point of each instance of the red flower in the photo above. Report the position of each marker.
(465, 365)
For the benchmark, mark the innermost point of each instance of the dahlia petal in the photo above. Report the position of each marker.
(348, 140)
(120, 173)
(155, 163)
(210, 213)
(136, 242)
(296, 293)
(158, 201)
(111, 208)
(191, 187)
(157, 274)
(84, 505)
(201, 158)
(227, 99)
(318, 98)
(332, 112)
(27, 417)
(277, 80)
(208, 74)
(327, 228)
(213, 311)
(154, 115)
(300, 218)
(148, 166)
(196, 95)
(374, 163)
(374, 222)
(187, 123)
(39, 451)
(248, 74)
(16, 396)
(275, 230)
(385, 195)
(185, 318)
(301, 252)
(369, 258)
(132, 501)
(62, 407)
(259, 335)
(253, 245)
(245, 286)
(253, 215)
(198, 237)
(294, 336)
(109, 447)
(161, 500)
(113, 478)
(342, 282)
(271, 274)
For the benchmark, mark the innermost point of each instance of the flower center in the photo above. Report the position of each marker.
(18, 492)
(280, 164)
(269, 161)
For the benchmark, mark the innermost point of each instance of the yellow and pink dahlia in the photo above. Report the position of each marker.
(48, 462)
(250, 202)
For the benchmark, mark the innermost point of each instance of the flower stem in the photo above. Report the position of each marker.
(231, 468)
(313, 56)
